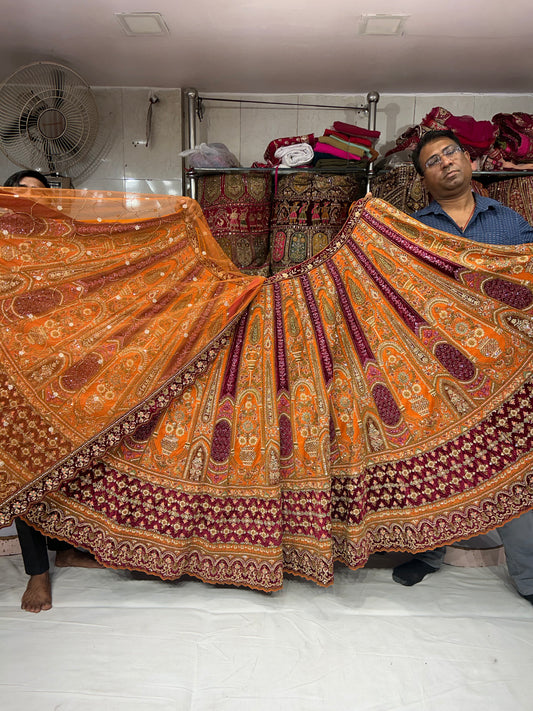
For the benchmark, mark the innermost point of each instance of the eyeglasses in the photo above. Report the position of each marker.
(448, 152)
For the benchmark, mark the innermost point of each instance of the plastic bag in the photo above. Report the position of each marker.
(211, 155)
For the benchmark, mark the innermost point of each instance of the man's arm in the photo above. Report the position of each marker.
(525, 230)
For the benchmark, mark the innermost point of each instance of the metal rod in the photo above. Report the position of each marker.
(372, 97)
(283, 103)
(191, 96)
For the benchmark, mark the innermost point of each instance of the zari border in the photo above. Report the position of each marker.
(263, 571)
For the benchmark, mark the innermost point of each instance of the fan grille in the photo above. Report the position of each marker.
(48, 117)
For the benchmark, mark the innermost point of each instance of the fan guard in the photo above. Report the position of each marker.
(48, 117)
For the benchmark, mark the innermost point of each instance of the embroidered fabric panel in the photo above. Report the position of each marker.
(96, 318)
(402, 187)
(237, 209)
(516, 193)
(307, 212)
(376, 397)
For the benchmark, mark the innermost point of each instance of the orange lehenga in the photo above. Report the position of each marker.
(173, 415)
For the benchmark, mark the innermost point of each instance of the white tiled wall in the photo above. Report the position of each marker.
(120, 159)
(247, 128)
(123, 162)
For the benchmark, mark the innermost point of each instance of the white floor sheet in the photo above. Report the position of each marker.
(462, 640)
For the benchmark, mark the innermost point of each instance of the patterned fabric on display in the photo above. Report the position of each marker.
(516, 193)
(237, 209)
(308, 210)
(402, 187)
(173, 415)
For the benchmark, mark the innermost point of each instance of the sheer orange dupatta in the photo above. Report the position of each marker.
(103, 298)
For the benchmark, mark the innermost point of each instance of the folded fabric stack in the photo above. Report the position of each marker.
(345, 144)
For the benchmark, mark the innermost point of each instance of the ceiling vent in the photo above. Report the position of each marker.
(390, 25)
(145, 24)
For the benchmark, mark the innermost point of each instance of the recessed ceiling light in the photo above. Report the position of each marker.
(384, 24)
(142, 23)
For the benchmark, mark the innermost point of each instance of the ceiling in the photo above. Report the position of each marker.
(283, 46)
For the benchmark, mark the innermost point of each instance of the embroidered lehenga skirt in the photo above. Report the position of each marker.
(174, 415)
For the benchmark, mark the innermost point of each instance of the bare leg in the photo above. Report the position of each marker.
(38, 593)
(74, 558)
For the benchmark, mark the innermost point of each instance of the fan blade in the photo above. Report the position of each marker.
(27, 120)
(59, 87)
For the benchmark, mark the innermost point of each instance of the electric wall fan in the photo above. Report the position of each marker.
(48, 119)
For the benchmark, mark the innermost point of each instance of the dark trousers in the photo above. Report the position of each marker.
(34, 547)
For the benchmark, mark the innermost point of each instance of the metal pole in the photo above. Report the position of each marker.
(191, 96)
(372, 97)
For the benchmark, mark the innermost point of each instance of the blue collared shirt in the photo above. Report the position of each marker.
(491, 222)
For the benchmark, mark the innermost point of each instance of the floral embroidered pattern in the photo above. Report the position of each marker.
(182, 417)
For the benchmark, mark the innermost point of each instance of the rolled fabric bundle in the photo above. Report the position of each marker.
(273, 146)
(297, 154)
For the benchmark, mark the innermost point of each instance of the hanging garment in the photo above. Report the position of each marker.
(402, 187)
(172, 415)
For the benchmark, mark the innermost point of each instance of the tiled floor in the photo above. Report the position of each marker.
(462, 640)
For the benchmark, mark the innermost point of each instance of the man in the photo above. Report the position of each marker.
(34, 546)
(447, 173)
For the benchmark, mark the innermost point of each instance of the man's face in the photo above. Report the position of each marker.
(449, 177)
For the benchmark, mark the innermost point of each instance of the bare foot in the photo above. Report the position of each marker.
(74, 558)
(38, 593)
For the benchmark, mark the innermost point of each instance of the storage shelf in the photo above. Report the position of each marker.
(196, 172)
(493, 176)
